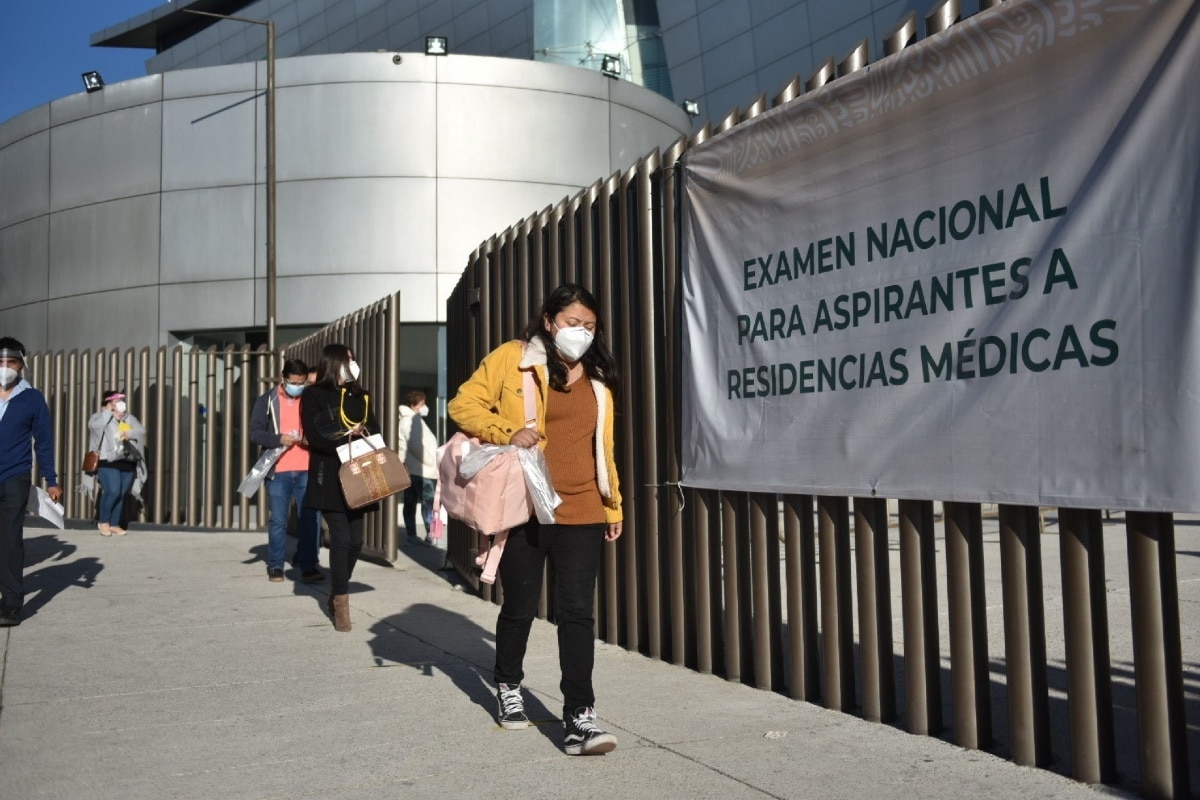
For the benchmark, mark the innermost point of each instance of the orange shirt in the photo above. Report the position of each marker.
(295, 458)
(571, 453)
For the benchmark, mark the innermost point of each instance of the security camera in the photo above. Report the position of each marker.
(396, 59)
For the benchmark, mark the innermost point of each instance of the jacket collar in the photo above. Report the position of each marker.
(534, 355)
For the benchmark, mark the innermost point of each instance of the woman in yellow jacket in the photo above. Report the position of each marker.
(576, 378)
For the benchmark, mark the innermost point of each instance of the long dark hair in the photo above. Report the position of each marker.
(333, 358)
(598, 362)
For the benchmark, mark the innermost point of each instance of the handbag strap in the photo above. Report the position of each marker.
(530, 400)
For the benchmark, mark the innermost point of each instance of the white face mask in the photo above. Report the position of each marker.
(572, 343)
(424, 412)
(350, 372)
(120, 406)
(9, 376)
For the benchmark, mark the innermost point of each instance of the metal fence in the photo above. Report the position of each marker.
(196, 406)
(699, 579)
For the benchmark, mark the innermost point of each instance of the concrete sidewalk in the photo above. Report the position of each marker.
(165, 665)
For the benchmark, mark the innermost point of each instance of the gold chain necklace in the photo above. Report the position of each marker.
(346, 421)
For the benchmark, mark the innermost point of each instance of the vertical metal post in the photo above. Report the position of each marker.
(733, 636)
(1085, 627)
(969, 676)
(801, 558)
(874, 608)
(1025, 635)
(918, 582)
(764, 575)
(670, 398)
(271, 264)
(651, 398)
(837, 603)
(700, 513)
(1157, 654)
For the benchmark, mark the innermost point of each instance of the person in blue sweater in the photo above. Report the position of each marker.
(24, 419)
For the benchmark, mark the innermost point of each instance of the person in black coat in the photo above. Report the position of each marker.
(332, 410)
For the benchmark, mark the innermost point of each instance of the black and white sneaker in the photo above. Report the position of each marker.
(511, 711)
(583, 737)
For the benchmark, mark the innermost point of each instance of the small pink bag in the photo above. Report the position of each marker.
(493, 500)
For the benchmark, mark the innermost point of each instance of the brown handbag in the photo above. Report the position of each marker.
(372, 476)
(91, 459)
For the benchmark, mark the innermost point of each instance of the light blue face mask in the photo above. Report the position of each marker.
(293, 390)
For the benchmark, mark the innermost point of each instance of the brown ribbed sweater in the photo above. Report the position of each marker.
(571, 453)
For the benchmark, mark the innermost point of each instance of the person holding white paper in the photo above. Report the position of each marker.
(275, 422)
(24, 419)
(333, 410)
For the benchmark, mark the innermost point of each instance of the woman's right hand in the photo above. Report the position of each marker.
(526, 437)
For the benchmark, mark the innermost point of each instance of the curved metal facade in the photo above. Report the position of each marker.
(138, 211)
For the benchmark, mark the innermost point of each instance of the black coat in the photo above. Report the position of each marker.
(324, 430)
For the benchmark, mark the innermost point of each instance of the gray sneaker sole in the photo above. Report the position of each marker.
(514, 725)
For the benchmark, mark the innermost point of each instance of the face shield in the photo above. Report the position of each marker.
(11, 363)
(7, 354)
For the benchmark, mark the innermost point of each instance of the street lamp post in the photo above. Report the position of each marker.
(271, 274)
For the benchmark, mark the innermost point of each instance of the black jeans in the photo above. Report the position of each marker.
(574, 552)
(345, 543)
(14, 496)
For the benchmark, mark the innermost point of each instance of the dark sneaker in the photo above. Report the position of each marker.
(511, 713)
(311, 575)
(274, 575)
(9, 617)
(583, 737)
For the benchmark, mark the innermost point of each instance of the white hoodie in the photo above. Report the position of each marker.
(417, 444)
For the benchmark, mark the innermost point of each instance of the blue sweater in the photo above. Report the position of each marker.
(27, 417)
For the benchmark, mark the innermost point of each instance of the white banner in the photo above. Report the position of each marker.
(970, 273)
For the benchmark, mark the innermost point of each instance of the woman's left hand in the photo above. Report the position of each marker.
(614, 531)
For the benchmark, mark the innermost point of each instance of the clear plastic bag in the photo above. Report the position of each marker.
(537, 480)
(258, 473)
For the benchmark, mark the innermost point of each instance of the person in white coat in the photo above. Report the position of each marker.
(419, 446)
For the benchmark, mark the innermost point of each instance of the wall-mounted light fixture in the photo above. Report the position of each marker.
(92, 81)
(437, 46)
(611, 66)
(691, 108)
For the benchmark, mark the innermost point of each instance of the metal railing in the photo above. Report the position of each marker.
(698, 578)
(196, 406)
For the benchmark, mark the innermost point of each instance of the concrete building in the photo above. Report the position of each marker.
(135, 215)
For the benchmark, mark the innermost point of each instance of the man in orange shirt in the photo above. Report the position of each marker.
(275, 422)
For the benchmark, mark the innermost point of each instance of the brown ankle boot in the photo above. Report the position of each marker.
(341, 612)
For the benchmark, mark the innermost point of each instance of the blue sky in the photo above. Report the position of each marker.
(44, 47)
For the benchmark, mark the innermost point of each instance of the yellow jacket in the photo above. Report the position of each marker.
(491, 405)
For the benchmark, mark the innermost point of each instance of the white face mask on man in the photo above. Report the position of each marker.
(9, 376)
(423, 411)
(572, 343)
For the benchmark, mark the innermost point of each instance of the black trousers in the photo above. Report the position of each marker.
(574, 552)
(345, 544)
(14, 497)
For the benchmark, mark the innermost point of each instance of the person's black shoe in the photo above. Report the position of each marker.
(311, 575)
(9, 618)
(583, 737)
(510, 707)
(274, 575)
